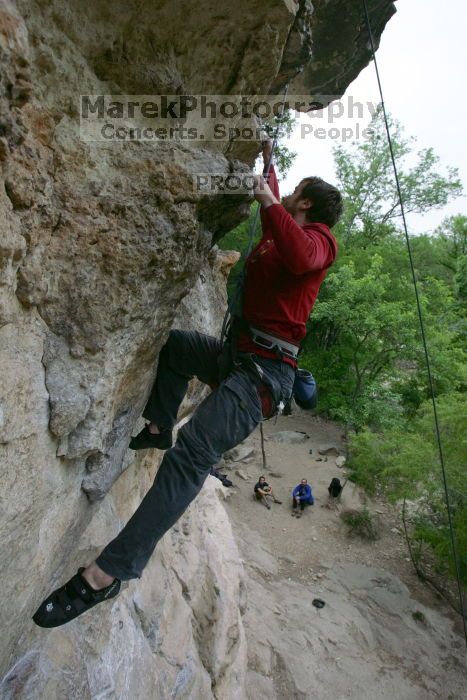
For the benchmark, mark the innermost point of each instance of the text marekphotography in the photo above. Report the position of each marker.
(120, 118)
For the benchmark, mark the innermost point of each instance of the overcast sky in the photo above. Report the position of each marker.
(422, 62)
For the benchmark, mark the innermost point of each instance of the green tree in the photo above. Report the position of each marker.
(403, 462)
(454, 230)
(366, 178)
(366, 328)
(237, 239)
(461, 281)
(365, 345)
(283, 156)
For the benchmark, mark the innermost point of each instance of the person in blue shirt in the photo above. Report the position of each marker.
(302, 497)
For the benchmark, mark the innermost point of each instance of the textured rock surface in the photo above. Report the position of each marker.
(102, 249)
(366, 641)
(178, 633)
(328, 450)
(239, 454)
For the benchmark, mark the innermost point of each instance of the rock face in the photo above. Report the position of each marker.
(365, 607)
(289, 436)
(328, 450)
(178, 633)
(103, 249)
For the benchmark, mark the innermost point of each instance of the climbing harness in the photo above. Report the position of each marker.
(270, 342)
(422, 330)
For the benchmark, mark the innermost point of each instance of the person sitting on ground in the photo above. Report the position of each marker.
(301, 497)
(263, 491)
(334, 491)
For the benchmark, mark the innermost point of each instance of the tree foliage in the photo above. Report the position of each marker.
(404, 462)
(365, 347)
(282, 127)
(366, 177)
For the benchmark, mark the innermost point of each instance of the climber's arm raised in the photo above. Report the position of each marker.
(263, 193)
(301, 251)
(272, 177)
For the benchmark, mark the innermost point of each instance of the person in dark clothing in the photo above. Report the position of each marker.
(263, 491)
(283, 276)
(222, 477)
(335, 488)
(301, 497)
(334, 491)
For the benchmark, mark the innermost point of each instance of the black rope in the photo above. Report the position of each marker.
(263, 451)
(422, 329)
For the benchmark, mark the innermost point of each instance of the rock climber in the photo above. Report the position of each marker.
(283, 275)
(301, 497)
(263, 491)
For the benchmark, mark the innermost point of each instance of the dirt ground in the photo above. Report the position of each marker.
(373, 598)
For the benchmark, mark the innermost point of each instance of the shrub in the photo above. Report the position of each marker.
(360, 524)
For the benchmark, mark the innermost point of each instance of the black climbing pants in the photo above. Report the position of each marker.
(300, 503)
(226, 417)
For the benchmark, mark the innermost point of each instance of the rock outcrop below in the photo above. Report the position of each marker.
(103, 248)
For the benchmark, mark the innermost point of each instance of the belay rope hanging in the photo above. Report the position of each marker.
(422, 329)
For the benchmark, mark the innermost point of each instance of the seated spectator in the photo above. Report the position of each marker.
(334, 490)
(301, 497)
(263, 491)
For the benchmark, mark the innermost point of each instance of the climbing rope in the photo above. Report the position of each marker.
(263, 451)
(422, 329)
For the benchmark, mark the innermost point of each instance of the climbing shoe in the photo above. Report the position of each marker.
(145, 440)
(71, 600)
(277, 501)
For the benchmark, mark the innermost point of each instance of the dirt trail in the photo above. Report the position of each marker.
(382, 634)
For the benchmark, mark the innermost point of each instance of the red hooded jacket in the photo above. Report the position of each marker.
(283, 275)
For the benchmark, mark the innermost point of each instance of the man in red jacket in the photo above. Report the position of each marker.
(283, 276)
(285, 270)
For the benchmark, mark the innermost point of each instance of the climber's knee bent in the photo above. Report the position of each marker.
(192, 354)
(186, 354)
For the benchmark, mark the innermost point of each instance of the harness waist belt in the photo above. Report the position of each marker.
(283, 346)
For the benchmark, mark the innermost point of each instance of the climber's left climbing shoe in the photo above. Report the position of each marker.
(71, 600)
(146, 440)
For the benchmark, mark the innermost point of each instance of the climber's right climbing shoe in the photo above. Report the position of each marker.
(146, 440)
(71, 600)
